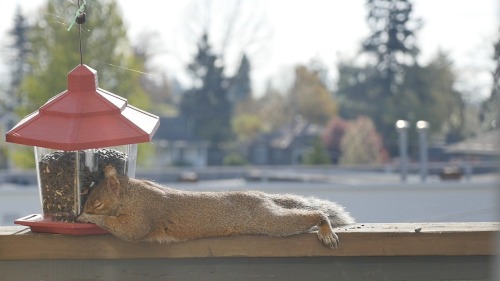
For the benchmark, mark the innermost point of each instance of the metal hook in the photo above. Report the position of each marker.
(82, 8)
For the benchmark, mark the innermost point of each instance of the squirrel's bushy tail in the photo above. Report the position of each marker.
(336, 213)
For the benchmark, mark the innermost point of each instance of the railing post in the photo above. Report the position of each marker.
(402, 128)
(423, 129)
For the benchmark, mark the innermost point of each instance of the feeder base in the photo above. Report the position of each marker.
(38, 224)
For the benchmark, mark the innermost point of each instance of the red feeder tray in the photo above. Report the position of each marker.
(38, 224)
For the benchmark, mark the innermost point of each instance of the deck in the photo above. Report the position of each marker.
(404, 251)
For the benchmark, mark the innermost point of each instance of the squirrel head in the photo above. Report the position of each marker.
(105, 197)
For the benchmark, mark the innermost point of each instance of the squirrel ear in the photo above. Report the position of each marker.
(109, 171)
(114, 185)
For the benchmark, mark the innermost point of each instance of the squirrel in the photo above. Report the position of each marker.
(140, 210)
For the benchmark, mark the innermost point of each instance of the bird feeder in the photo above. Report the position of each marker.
(75, 135)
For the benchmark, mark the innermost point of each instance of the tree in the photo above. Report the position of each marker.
(157, 86)
(206, 104)
(362, 144)
(247, 126)
(310, 98)
(395, 86)
(317, 155)
(332, 136)
(19, 49)
(490, 107)
(273, 108)
(18, 61)
(428, 93)
(374, 89)
(55, 51)
(392, 41)
(240, 85)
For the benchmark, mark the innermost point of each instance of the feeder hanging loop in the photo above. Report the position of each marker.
(79, 15)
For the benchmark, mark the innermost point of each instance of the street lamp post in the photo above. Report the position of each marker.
(423, 129)
(402, 128)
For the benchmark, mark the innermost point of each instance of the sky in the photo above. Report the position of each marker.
(284, 33)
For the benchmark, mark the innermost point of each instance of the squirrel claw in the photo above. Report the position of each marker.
(327, 236)
(82, 218)
(330, 239)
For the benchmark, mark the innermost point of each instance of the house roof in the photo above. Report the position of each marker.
(175, 129)
(483, 144)
(292, 132)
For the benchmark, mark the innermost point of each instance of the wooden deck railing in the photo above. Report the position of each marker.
(426, 251)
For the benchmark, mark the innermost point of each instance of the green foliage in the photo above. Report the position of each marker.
(490, 107)
(310, 97)
(55, 52)
(247, 126)
(274, 109)
(426, 93)
(380, 90)
(362, 144)
(317, 154)
(22, 157)
(145, 153)
(234, 159)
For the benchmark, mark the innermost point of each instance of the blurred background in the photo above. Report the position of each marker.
(281, 96)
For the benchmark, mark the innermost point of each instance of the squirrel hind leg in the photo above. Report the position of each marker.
(296, 221)
(327, 236)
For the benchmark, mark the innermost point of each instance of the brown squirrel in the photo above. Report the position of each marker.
(140, 210)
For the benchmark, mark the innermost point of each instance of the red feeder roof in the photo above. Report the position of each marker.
(84, 117)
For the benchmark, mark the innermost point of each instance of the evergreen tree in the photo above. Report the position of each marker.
(206, 104)
(392, 41)
(240, 88)
(18, 61)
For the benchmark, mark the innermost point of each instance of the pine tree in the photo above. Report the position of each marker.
(376, 89)
(240, 88)
(392, 41)
(206, 104)
(18, 61)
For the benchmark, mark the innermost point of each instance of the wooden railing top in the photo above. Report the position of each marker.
(401, 239)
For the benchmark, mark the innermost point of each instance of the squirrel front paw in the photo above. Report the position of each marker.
(328, 237)
(83, 218)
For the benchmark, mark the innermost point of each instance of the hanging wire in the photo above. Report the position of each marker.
(79, 19)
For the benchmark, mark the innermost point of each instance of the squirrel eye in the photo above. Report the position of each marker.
(98, 204)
